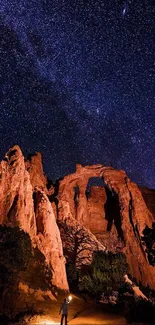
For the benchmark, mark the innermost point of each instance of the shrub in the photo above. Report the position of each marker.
(104, 275)
(72, 276)
(15, 253)
(148, 239)
(19, 262)
(38, 275)
(140, 311)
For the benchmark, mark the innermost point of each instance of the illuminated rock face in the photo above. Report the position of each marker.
(110, 218)
(97, 222)
(34, 166)
(129, 217)
(16, 204)
(48, 238)
(31, 210)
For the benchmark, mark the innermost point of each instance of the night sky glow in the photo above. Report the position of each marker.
(78, 83)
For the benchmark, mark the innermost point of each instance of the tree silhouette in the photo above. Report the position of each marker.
(78, 242)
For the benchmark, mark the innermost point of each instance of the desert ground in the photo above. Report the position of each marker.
(80, 312)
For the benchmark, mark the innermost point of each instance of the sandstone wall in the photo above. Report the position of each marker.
(34, 166)
(25, 205)
(128, 224)
(96, 222)
(16, 203)
(149, 198)
(111, 218)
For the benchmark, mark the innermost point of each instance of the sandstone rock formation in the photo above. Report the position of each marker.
(112, 217)
(127, 219)
(95, 209)
(34, 166)
(48, 238)
(79, 243)
(16, 203)
(149, 198)
(32, 211)
(137, 292)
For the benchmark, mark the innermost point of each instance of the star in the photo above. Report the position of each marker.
(124, 9)
(78, 84)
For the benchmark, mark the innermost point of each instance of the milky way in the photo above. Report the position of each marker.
(79, 83)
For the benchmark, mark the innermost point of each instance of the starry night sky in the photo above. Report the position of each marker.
(79, 83)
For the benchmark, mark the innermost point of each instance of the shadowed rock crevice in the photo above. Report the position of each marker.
(9, 156)
(76, 196)
(148, 239)
(113, 213)
(13, 210)
(39, 221)
(131, 211)
(53, 190)
(149, 198)
(134, 226)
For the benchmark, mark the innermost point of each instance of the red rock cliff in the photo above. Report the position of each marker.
(16, 203)
(111, 217)
(32, 211)
(34, 166)
(126, 217)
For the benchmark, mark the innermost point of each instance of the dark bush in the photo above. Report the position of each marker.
(22, 318)
(38, 275)
(19, 262)
(148, 239)
(72, 276)
(139, 311)
(15, 253)
(104, 275)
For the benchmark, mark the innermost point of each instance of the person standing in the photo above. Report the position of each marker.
(64, 311)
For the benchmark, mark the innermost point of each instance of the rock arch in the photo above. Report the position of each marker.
(134, 215)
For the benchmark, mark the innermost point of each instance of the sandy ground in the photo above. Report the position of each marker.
(80, 313)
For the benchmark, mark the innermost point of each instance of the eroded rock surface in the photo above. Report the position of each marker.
(31, 209)
(113, 217)
(16, 203)
(149, 198)
(48, 238)
(79, 243)
(34, 166)
(96, 221)
(126, 221)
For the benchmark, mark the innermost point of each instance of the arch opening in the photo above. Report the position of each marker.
(103, 208)
(94, 182)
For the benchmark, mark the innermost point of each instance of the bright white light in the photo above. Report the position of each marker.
(70, 298)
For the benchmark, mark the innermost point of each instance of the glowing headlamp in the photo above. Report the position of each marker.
(70, 298)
